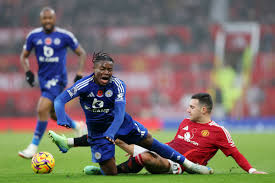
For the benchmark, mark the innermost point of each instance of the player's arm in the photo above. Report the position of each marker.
(128, 148)
(24, 59)
(117, 122)
(119, 108)
(61, 100)
(243, 163)
(26, 66)
(82, 59)
(228, 147)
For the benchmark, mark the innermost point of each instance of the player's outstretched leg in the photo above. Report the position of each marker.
(60, 141)
(169, 153)
(197, 168)
(37, 136)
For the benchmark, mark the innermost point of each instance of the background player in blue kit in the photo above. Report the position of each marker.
(50, 44)
(102, 98)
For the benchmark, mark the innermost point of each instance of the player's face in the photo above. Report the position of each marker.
(47, 19)
(103, 72)
(194, 110)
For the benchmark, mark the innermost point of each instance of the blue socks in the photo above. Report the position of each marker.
(72, 122)
(101, 171)
(39, 131)
(167, 152)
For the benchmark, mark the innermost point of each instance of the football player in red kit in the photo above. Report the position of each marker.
(198, 139)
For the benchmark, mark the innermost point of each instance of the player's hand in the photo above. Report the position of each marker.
(110, 139)
(30, 78)
(77, 77)
(259, 172)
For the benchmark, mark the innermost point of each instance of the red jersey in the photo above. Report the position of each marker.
(200, 142)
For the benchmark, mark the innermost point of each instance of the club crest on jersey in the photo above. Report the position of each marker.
(56, 41)
(205, 133)
(99, 93)
(109, 93)
(97, 155)
(48, 41)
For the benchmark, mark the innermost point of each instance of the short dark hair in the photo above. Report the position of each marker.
(101, 56)
(204, 99)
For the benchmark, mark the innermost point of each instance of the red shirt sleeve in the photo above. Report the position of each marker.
(225, 142)
(241, 160)
(227, 146)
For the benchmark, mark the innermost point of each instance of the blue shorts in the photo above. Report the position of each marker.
(102, 149)
(51, 91)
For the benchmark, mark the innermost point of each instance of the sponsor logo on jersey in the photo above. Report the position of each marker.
(97, 155)
(48, 59)
(39, 42)
(99, 93)
(97, 104)
(97, 107)
(109, 93)
(100, 110)
(56, 41)
(48, 41)
(205, 133)
(185, 128)
(187, 137)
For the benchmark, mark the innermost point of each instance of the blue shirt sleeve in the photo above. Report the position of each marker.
(118, 120)
(120, 105)
(62, 99)
(71, 41)
(29, 43)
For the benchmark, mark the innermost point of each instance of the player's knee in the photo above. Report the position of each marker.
(147, 157)
(42, 111)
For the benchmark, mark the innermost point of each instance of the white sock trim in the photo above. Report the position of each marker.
(138, 150)
(70, 142)
(187, 163)
(251, 170)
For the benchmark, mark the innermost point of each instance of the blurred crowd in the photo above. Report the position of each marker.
(105, 12)
(148, 33)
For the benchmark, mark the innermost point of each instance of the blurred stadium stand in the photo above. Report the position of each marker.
(164, 50)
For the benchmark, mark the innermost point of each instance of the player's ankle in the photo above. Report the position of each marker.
(187, 163)
(70, 142)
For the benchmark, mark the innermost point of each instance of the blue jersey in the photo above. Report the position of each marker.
(50, 51)
(99, 104)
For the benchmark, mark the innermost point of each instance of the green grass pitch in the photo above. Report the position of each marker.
(259, 149)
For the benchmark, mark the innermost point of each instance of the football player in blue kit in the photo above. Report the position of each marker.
(102, 98)
(50, 44)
